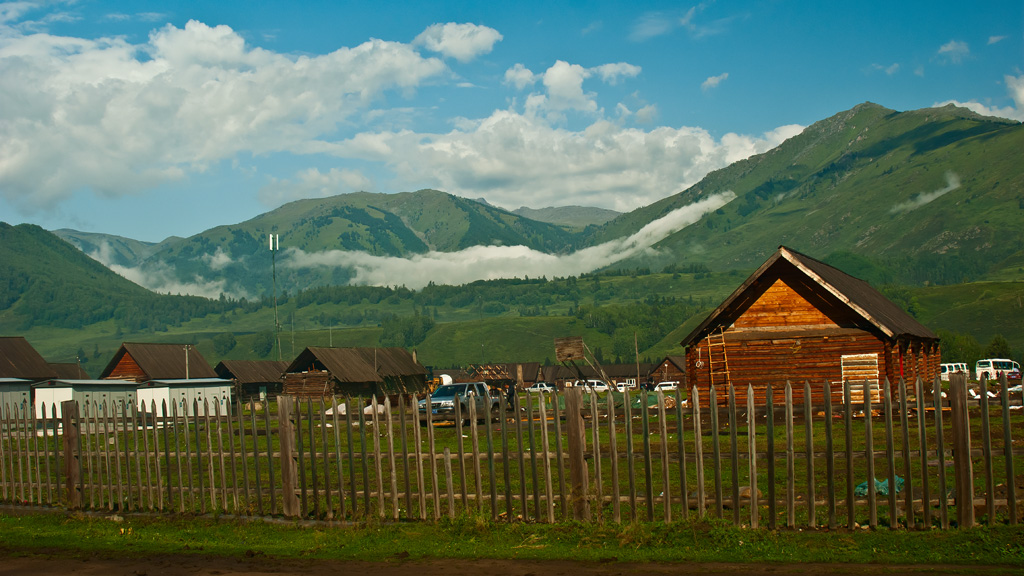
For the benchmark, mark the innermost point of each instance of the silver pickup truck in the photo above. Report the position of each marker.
(442, 402)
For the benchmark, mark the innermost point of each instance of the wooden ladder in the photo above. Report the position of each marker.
(718, 366)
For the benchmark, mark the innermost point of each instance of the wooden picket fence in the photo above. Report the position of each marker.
(565, 456)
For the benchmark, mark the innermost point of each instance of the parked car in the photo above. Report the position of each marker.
(592, 385)
(442, 402)
(667, 386)
(952, 368)
(542, 387)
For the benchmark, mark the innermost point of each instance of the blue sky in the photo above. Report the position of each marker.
(152, 119)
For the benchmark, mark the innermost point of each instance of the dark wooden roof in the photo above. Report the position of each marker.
(69, 371)
(18, 359)
(678, 361)
(162, 361)
(251, 371)
(877, 310)
(392, 368)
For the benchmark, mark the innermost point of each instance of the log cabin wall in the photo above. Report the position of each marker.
(308, 384)
(667, 371)
(127, 369)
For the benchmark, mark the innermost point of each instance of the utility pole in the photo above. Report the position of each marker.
(275, 245)
(186, 360)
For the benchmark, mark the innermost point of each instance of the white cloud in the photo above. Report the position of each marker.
(312, 183)
(954, 51)
(995, 39)
(952, 183)
(1015, 86)
(218, 260)
(159, 277)
(490, 262)
(518, 159)
(463, 42)
(611, 73)
(520, 77)
(713, 81)
(95, 114)
(564, 84)
(647, 114)
(651, 25)
(889, 70)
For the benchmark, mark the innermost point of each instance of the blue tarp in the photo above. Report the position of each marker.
(881, 488)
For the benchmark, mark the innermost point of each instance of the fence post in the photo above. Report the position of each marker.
(962, 470)
(72, 454)
(577, 444)
(289, 469)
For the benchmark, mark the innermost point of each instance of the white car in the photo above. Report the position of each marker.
(592, 385)
(667, 386)
(541, 387)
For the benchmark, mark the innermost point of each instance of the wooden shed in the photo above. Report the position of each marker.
(671, 369)
(142, 362)
(254, 379)
(798, 319)
(318, 372)
(18, 359)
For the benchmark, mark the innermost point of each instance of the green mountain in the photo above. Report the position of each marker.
(111, 249)
(931, 195)
(577, 217)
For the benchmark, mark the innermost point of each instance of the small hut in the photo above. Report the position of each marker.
(318, 372)
(671, 369)
(799, 319)
(254, 379)
(142, 362)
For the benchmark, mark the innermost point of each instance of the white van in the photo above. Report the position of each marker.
(991, 368)
(952, 367)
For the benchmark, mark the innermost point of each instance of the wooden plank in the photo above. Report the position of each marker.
(613, 452)
(460, 449)
(72, 453)
(549, 498)
(560, 457)
(869, 454)
(770, 447)
(6, 451)
(435, 488)
(95, 466)
(448, 481)
(403, 426)
(350, 443)
(45, 423)
(311, 447)
(492, 483)
(145, 444)
(392, 463)
(681, 451)
(338, 460)
(851, 480)
(627, 410)
(270, 455)
(698, 452)
(474, 437)
(962, 467)
(941, 452)
(256, 454)
(577, 446)
(645, 426)
(734, 456)
(830, 459)
(890, 454)
(1011, 481)
(209, 454)
(752, 458)
(790, 460)
(596, 442)
(136, 455)
(716, 451)
(522, 460)
(322, 416)
(300, 453)
(177, 457)
(117, 459)
(378, 463)
(666, 483)
(986, 454)
(812, 517)
(289, 474)
(505, 464)
(243, 455)
(33, 427)
(220, 457)
(922, 446)
(420, 481)
(908, 477)
(534, 472)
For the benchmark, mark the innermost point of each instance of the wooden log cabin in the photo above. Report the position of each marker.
(801, 320)
(142, 362)
(319, 372)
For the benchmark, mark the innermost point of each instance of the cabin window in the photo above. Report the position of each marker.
(861, 370)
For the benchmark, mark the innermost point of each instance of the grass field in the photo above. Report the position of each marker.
(475, 537)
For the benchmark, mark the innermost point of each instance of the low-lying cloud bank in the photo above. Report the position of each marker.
(160, 278)
(492, 262)
(952, 183)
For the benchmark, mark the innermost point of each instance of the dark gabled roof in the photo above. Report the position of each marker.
(858, 295)
(251, 371)
(394, 368)
(18, 359)
(69, 371)
(678, 361)
(163, 361)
